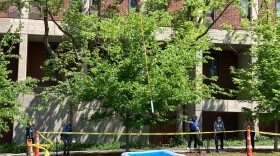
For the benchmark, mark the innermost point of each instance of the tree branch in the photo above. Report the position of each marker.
(59, 27)
(209, 27)
(65, 32)
(46, 13)
(46, 34)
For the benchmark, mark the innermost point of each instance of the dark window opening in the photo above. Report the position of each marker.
(219, 65)
(213, 64)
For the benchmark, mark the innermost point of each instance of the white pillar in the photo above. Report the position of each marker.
(198, 106)
(24, 12)
(22, 62)
(255, 10)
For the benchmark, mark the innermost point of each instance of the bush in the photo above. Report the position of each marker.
(262, 140)
(178, 140)
(12, 148)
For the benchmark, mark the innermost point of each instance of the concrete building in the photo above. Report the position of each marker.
(33, 53)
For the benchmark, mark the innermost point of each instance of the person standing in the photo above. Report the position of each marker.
(250, 123)
(219, 127)
(66, 138)
(29, 129)
(29, 132)
(193, 127)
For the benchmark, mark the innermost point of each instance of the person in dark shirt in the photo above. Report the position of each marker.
(250, 122)
(29, 132)
(193, 127)
(66, 138)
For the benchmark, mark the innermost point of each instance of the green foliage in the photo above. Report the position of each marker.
(177, 141)
(260, 80)
(112, 51)
(13, 148)
(116, 145)
(108, 145)
(10, 107)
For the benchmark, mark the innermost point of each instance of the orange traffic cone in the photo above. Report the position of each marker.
(249, 144)
(37, 151)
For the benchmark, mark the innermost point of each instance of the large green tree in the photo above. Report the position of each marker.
(260, 81)
(117, 60)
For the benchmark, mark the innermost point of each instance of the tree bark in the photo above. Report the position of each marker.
(180, 119)
(276, 137)
(126, 139)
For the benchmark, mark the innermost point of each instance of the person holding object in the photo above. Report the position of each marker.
(193, 127)
(219, 127)
(66, 138)
(250, 123)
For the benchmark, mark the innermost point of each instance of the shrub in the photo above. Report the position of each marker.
(178, 140)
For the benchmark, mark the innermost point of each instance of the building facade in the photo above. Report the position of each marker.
(33, 53)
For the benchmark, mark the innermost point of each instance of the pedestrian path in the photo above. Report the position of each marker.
(177, 150)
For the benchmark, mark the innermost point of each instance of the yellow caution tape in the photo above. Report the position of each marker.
(138, 134)
(48, 140)
(47, 153)
(112, 133)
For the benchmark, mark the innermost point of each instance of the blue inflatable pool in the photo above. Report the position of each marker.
(152, 153)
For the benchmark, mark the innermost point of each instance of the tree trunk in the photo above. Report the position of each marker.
(99, 8)
(126, 139)
(179, 119)
(276, 137)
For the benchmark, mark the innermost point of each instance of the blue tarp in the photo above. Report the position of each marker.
(152, 153)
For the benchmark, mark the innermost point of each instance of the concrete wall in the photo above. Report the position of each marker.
(55, 116)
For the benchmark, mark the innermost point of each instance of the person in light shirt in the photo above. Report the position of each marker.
(219, 129)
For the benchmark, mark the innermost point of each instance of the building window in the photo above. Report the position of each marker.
(246, 9)
(278, 7)
(133, 3)
(213, 64)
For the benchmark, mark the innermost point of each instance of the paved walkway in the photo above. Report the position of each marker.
(118, 152)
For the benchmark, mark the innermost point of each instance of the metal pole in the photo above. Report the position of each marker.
(37, 151)
(29, 147)
(56, 142)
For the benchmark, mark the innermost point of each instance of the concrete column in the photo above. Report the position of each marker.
(22, 62)
(198, 107)
(241, 121)
(257, 128)
(255, 10)
(24, 12)
(200, 119)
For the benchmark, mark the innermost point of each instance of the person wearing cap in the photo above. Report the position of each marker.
(193, 127)
(219, 129)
